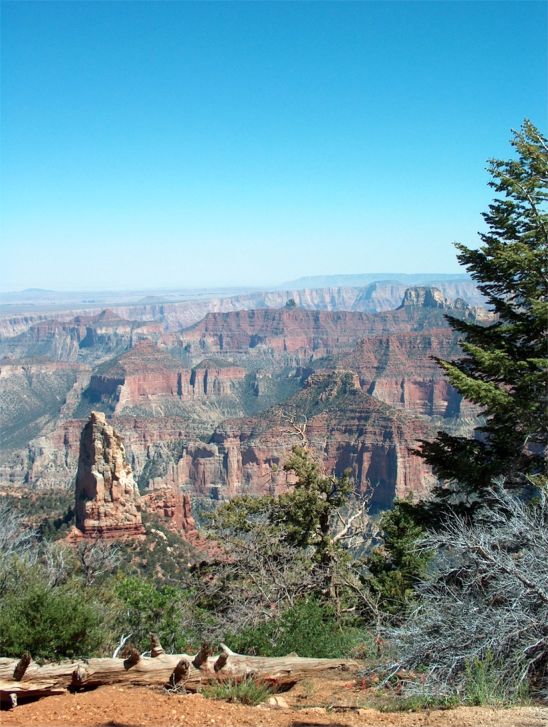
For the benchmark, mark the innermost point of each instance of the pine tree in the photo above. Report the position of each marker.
(504, 367)
(396, 566)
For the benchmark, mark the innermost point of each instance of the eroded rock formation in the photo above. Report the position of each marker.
(345, 426)
(207, 416)
(401, 371)
(107, 501)
(173, 507)
(299, 334)
(424, 296)
(146, 373)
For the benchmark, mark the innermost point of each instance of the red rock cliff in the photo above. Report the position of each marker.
(145, 373)
(345, 426)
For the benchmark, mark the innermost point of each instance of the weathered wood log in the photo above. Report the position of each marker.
(59, 677)
(21, 668)
(221, 661)
(78, 677)
(201, 656)
(156, 648)
(179, 673)
(132, 657)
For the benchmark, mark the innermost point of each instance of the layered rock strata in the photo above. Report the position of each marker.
(401, 370)
(188, 425)
(107, 501)
(83, 338)
(173, 507)
(345, 426)
(300, 335)
(146, 373)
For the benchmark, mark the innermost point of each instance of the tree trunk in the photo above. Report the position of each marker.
(169, 670)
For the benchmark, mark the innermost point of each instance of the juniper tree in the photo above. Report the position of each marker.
(316, 522)
(398, 564)
(503, 369)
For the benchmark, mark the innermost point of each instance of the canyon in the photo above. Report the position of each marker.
(208, 410)
(375, 296)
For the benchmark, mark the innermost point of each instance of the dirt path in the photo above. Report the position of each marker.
(140, 707)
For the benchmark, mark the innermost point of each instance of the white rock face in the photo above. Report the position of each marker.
(425, 297)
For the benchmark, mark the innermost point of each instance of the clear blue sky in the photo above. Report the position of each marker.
(149, 144)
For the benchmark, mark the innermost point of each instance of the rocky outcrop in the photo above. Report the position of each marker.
(107, 502)
(426, 297)
(173, 507)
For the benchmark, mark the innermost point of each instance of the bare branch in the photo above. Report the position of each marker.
(487, 598)
(297, 428)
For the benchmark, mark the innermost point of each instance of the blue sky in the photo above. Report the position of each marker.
(164, 144)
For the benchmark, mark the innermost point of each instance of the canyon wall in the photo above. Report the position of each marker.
(213, 419)
(377, 296)
(401, 370)
(347, 429)
(298, 334)
(145, 373)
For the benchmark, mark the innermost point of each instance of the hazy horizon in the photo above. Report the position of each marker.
(285, 284)
(189, 145)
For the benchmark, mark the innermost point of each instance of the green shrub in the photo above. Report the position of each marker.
(247, 691)
(485, 683)
(397, 565)
(309, 628)
(50, 623)
(147, 607)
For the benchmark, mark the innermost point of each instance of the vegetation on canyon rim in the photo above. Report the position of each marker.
(504, 369)
(448, 596)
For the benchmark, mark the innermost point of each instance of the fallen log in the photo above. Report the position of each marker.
(191, 671)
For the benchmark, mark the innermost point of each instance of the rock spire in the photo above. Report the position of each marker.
(107, 498)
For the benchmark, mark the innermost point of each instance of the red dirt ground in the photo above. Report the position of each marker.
(141, 707)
